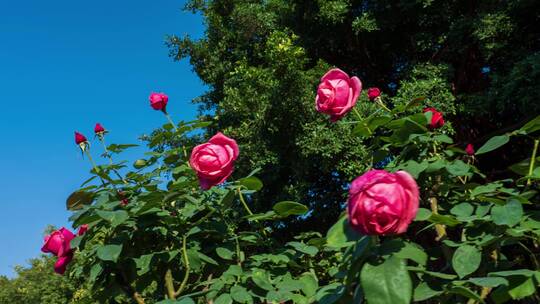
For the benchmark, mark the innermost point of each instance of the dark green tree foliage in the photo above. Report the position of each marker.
(38, 284)
(477, 61)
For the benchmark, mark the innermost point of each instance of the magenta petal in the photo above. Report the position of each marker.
(62, 262)
(335, 74)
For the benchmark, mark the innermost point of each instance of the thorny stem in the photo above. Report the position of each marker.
(238, 251)
(533, 160)
(87, 151)
(176, 131)
(441, 230)
(244, 201)
(169, 285)
(186, 265)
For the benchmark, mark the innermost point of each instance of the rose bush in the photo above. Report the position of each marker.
(426, 227)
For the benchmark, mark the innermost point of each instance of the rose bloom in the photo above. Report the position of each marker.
(79, 138)
(158, 101)
(469, 150)
(373, 93)
(382, 203)
(337, 94)
(58, 243)
(214, 161)
(437, 119)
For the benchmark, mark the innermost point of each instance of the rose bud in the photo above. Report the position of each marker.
(79, 138)
(469, 150)
(124, 202)
(337, 94)
(62, 262)
(373, 93)
(437, 119)
(158, 101)
(82, 230)
(214, 161)
(99, 129)
(382, 203)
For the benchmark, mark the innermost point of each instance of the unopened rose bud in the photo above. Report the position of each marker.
(99, 129)
(79, 138)
(469, 150)
(373, 93)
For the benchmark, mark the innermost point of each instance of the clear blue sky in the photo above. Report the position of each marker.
(65, 65)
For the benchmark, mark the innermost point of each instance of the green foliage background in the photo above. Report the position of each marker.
(477, 61)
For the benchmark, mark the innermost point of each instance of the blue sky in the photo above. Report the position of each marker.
(65, 65)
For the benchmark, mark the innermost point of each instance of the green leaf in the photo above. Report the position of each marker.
(521, 287)
(307, 249)
(466, 260)
(95, 271)
(109, 252)
(78, 199)
(489, 281)
(224, 253)
(412, 252)
(251, 183)
(329, 294)
(387, 283)
(466, 292)
(240, 294)
(116, 148)
(457, 168)
(443, 219)
(531, 126)
(462, 210)
(143, 263)
(310, 284)
(260, 278)
(114, 217)
(287, 208)
(423, 292)
(140, 163)
(493, 143)
(508, 214)
(423, 214)
(341, 234)
(223, 299)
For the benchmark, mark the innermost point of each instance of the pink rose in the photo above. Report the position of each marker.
(337, 94)
(214, 161)
(58, 241)
(82, 230)
(79, 138)
(62, 262)
(373, 93)
(469, 150)
(382, 203)
(158, 101)
(437, 119)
